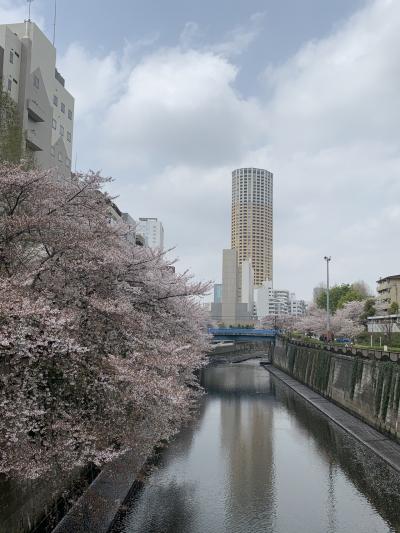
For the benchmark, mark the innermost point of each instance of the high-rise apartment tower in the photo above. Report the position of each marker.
(252, 220)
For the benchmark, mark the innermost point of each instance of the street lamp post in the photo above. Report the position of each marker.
(328, 311)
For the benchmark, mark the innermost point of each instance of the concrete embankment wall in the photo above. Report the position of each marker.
(239, 352)
(369, 389)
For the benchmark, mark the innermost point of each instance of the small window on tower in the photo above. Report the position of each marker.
(36, 82)
(11, 57)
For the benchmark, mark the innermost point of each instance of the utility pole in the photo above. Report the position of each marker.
(54, 22)
(29, 9)
(328, 310)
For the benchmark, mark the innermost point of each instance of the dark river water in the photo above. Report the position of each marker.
(260, 459)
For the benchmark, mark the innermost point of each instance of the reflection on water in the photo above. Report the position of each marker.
(259, 459)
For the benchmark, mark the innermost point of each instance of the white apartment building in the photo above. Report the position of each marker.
(152, 231)
(270, 302)
(29, 75)
(297, 307)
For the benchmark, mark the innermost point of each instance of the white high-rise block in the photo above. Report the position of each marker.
(153, 232)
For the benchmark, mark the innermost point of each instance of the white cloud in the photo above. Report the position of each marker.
(241, 38)
(95, 81)
(172, 126)
(12, 12)
(233, 43)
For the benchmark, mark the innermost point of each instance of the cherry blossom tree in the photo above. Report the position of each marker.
(346, 322)
(99, 337)
(313, 322)
(281, 322)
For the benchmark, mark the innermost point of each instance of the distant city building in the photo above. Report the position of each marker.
(317, 291)
(116, 216)
(270, 302)
(218, 293)
(132, 236)
(29, 76)
(252, 220)
(246, 292)
(388, 291)
(232, 310)
(152, 231)
(297, 307)
(114, 213)
(263, 296)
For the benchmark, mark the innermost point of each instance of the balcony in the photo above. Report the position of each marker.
(34, 139)
(35, 112)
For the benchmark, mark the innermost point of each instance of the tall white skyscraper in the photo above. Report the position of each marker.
(252, 220)
(153, 232)
(29, 76)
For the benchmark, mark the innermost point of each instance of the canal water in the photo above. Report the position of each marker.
(257, 459)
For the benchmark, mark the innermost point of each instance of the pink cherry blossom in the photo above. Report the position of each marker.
(99, 338)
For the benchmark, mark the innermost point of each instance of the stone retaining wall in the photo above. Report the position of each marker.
(368, 388)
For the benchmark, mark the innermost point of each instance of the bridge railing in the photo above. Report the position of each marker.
(229, 332)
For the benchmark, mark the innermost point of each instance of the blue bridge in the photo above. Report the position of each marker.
(242, 334)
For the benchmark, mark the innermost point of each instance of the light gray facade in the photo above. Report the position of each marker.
(29, 75)
(153, 232)
(231, 310)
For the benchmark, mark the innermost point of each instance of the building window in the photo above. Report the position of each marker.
(36, 82)
(61, 130)
(67, 162)
(55, 100)
(69, 136)
(11, 57)
(60, 157)
(9, 85)
(70, 114)
(53, 151)
(62, 107)
(54, 124)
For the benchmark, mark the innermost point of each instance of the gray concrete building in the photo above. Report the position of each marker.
(232, 310)
(30, 77)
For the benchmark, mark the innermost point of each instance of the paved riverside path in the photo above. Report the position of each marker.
(97, 508)
(385, 448)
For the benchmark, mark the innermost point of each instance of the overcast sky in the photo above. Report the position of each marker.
(172, 96)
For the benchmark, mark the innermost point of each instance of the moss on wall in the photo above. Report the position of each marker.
(370, 389)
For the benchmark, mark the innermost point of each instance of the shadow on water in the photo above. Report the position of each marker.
(258, 458)
(375, 479)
